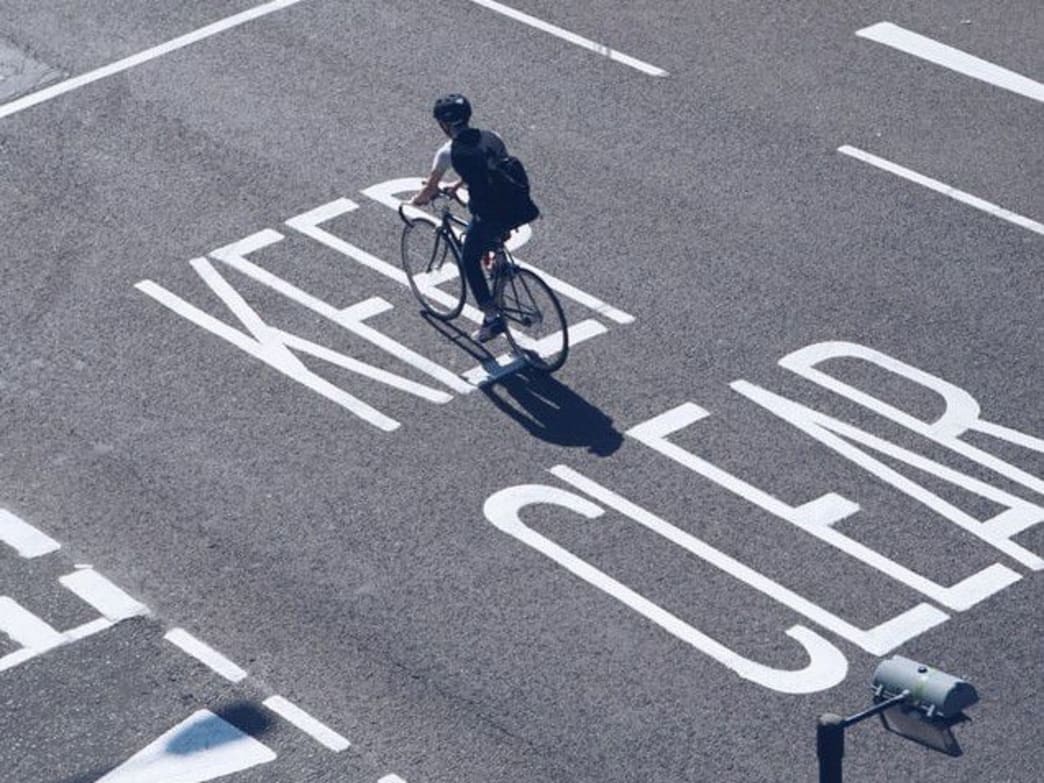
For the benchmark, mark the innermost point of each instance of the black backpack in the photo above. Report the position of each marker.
(511, 203)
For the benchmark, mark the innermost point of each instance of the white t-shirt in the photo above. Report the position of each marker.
(443, 161)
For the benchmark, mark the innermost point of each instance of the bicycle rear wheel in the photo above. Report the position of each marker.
(432, 265)
(536, 325)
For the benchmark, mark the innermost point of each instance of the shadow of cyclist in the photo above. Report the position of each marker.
(553, 412)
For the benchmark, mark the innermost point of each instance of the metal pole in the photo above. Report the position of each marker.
(830, 746)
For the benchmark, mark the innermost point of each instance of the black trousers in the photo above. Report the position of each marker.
(482, 235)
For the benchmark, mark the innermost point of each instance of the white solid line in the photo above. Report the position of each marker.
(205, 654)
(928, 49)
(306, 723)
(941, 187)
(507, 363)
(25, 539)
(25, 628)
(103, 595)
(180, 42)
(391, 779)
(573, 38)
(88, 629)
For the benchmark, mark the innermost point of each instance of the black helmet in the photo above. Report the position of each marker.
(452, 109)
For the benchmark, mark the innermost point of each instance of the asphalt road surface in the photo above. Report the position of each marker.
(263, 521)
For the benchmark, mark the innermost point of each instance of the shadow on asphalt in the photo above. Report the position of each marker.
(544, 407)
(454, 334)
(203, 735)
(553, 412)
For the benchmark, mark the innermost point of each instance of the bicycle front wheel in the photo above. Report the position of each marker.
(432, 265)
(536, 325)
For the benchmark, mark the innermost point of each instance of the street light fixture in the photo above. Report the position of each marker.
(914, 700)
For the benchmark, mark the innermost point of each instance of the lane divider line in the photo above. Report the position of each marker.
(941, 187)
(25, 539)
(46, 94)
(931, 50)
(572, 38)
(205, 654)
(314, 728)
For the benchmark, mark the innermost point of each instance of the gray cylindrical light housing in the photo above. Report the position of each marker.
(936, 693)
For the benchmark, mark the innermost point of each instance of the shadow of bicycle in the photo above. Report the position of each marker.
(542, 405)
(551, 411)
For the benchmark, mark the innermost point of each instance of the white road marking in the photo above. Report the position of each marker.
(308, 224)
(816, 517)
(306, 723)
(200, 748)
(507, 363)
(961, 412)
(25, 539)
(112, 602)
(126, 63)
(261, 343)
(928, 49)
(572, 38)
(27, 630)
(391, 779)
(205, 654)
(351, 318)
(941, 187)
(826, 665)
(88, 629)
(880, 639)
(386, 193)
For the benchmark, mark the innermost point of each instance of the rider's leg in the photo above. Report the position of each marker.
(476, 241)
(480, 237)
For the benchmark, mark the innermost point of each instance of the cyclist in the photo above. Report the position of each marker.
(467, 153)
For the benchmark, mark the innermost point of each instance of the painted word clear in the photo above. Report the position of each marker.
(821, 664)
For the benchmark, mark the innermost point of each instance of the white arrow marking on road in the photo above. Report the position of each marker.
(198, 749)
(927, 49)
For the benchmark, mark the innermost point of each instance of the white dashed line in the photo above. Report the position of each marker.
(126, 63)
(205, 654)
(103, 595)
(941, 187)
(927, 49)
(572, 38)
(25, 539)
(306, 723)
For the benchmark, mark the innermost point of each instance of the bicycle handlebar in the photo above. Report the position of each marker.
(441, 193)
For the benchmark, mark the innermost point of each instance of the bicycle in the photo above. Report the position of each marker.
(431, 257)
